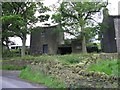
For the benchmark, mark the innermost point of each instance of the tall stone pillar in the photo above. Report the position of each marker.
(117, 30)
(0, 32)
(108, 42)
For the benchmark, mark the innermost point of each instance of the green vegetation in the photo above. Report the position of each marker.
(70, 69)
(109, 67)
(70, 59)
(64, 59)
(60, 71)
(15, 23)
(41, 78)
(12, 67)
(81, 18)
(13, 53)
(27, 57)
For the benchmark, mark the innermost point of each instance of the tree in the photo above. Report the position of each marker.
(77, 18)
(18, 19)
(9, 27)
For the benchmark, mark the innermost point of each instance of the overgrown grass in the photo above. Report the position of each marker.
(27, 57)
(41, 78)
(70, 59)
(12, 67)
(110, 67)
(13, 53)
(65, 59)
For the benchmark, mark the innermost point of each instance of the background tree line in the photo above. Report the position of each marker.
(18, 19)
(76, 18)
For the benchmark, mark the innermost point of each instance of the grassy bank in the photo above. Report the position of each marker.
(41, 78)
(56, 71)
(110, 67)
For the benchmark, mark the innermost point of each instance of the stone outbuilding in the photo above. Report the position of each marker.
(117, 31)
(45, 40)
(110, 41)
(76, 45)
(50, 40)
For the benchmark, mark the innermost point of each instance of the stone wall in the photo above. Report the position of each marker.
(111, 34)
(110, 56)
(117, 30)
(76, 46)
(108, 41)
(46, 36)
(75, 76)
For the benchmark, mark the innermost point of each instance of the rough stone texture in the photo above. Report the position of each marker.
(111, 35)
(46, 36)
(75, 76)
(109, 56)
(76, 46)
(108, 38)
(117, 30)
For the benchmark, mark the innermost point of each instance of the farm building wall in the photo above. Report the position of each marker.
(108, 41)
(46, 40)
(76, 46)
(117, 30)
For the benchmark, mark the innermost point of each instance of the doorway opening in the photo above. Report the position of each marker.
(45, 48)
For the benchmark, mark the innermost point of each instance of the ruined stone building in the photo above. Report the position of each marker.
(50, 40)
(45, 40)
(117, 30)
(111, 34)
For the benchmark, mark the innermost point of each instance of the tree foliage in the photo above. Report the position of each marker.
(77, 18)
(18, 18)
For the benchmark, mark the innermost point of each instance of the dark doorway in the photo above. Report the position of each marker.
(64, 50)
(45, 48)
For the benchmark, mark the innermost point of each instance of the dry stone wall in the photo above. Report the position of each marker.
(75, 75)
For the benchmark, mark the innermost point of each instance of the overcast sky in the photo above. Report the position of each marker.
(113, 5)
(113, 10)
